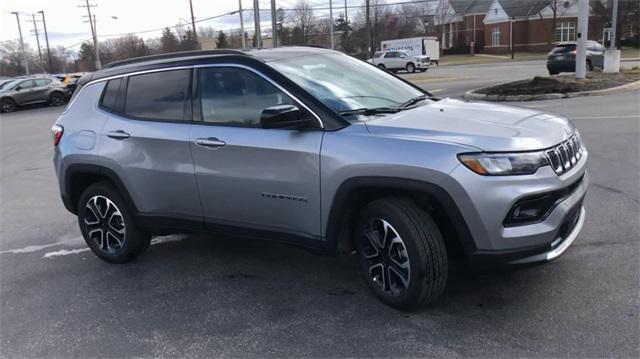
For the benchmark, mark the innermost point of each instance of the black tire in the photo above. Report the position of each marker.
(589, 65)
(7, 105)
(421, 246)
(124, 240)
(551, 73)
(56, 99)
(381, 66)
(411, 68)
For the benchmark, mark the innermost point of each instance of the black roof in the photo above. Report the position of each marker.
(187, 58)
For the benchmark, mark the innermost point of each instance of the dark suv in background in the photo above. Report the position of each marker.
(562, 58)
(31, 90)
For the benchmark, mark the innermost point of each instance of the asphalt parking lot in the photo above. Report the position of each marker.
(201, 296)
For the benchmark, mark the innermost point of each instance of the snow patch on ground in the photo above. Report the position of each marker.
(64, 252)
(35, 248)
(168, 239)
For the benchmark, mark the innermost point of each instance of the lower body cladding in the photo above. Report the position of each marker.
(489, 204)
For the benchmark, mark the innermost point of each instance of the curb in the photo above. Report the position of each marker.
(473, 95)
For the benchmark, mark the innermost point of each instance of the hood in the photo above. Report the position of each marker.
(485, 126)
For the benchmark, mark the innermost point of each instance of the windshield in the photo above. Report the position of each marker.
(344, 83)
(9, 84)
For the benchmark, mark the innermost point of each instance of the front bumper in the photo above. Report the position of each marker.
(484, 202)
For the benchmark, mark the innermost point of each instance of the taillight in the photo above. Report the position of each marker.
(574, 51)
(57, 132)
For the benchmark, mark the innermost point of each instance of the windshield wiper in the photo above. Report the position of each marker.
(369, 111)
(412, 102)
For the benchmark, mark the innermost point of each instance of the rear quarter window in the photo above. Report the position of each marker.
(109, 95)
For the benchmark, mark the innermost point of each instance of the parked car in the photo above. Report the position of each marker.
(399, 60)
(315, 148)
(70, 81)
(30, 90)
(562, 58)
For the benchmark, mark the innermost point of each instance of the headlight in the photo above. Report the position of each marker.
(504, 164)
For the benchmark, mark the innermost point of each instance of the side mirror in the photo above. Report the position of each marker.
(18, 88)
(282, 116)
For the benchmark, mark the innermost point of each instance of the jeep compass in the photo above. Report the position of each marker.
(315, 148)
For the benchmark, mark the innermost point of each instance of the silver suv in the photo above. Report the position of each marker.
(31, 90)
(312, 147)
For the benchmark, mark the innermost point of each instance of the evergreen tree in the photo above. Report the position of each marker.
(168, 41)
(189, 41)
(221, 41)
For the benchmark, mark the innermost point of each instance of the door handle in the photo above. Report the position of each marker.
(118, 135)
(210, 142)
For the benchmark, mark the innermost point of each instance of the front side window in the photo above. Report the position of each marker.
(26, 84)
(158, 95)
(344, 83)
(236, 97)
(378, 54)
(495, 36)
(565, 31)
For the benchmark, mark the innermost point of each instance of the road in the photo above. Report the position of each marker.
(200, 296)
(455, 80)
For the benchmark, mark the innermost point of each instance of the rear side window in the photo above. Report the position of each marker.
(110, 94)
(158, 95)
(42, 82)
(378, 54)
(563, 49)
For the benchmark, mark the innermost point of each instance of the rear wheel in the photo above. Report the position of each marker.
(107, 225)
(552, 72)
(7, 105)
(402, 254)
(411, 68)
(56, 99)
(589, 65)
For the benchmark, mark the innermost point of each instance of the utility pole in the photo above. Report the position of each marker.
(256, 23)
(274, 29)
(193, 23)
(614, 25)
(46, 38)
(583, 28)
(35, 29)
(331, 23)
(93, 31)
(244, 40)
(368, 24)
(24, 55)
(346, 16)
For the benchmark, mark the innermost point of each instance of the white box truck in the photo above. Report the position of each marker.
(415, 46)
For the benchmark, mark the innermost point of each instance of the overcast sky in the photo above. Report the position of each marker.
(66, 27)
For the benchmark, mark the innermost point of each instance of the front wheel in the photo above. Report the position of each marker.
(107, 225)
(411, 68)
(7, 105)
(402, 254)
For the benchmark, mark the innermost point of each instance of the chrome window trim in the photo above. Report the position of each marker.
(274, 83)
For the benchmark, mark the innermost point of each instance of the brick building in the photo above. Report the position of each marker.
(459, 23)
(528, 24)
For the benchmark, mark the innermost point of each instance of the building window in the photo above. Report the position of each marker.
(565, 31)
(495, 36)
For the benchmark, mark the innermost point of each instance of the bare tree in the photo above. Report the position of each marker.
(303, 22)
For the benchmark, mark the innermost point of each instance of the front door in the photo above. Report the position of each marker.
(265, 179)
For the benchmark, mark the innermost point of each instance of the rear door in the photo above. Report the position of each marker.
(146, 141)
(250, 177)
(40, 89)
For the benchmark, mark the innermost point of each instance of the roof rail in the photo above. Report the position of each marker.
(171, 55)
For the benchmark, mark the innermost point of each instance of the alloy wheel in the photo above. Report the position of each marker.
(386, 257)
(411, 68)
(104, 224)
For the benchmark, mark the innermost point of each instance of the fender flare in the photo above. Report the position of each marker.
(339, 206)
(79, 169)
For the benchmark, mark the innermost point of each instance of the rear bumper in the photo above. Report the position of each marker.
(561, 66)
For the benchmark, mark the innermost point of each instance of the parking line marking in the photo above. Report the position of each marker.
(436, 90)
(604, 117)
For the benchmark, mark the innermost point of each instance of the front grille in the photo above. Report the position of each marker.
(565, 155)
